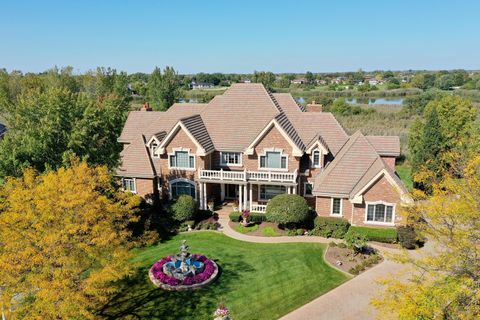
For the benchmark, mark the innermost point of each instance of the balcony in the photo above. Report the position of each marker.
(251, 176)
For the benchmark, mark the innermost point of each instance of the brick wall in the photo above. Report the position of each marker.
(145, 186)
(382, 190)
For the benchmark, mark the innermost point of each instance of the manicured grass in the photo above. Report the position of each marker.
(405, 173)
(242, 229)
(387, 235)
(256, 281)
(270, 232)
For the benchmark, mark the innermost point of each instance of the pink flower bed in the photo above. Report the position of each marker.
(208, 270)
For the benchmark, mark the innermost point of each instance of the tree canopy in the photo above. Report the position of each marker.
(163, 88)
(64, 241)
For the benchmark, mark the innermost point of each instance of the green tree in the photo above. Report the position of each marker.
(266, 78)
(423, 81)
(184, 208)
(163, 88)
(309, 77)
(64, 242)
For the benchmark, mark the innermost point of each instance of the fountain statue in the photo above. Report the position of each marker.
(183, 264)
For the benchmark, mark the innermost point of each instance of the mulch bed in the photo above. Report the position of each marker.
(348, 260)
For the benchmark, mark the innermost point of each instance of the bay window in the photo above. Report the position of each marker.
(380, 213)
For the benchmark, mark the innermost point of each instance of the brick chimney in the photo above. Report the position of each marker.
(146, 107)
(314, 107)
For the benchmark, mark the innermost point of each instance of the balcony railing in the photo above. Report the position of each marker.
(261, 208)
(243, 176)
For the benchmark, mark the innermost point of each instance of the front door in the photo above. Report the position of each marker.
(231, 191)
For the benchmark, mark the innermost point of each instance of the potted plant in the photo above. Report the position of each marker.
(222, 313)
(211, 205)
(245, 215)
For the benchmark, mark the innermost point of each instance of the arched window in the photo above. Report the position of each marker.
(182, 186)
(316, 159)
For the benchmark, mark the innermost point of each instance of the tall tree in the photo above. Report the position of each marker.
(445, 283)
(266, 78)
(163, 89)
(64, 241)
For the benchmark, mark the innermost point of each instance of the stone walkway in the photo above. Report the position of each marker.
(349, 301)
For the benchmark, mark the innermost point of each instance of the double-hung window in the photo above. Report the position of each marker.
(316, 159)
(267, 192)
(336, 209)
(230, 159)
(380, 213)
(128, 184)
(182, 160)
(273, 160)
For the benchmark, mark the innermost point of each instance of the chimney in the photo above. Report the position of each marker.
(314, 107)
(146, 107)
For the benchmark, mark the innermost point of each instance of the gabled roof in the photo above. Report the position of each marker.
(353, 168)
(288, 127)
(386, 145)
(136, 160)
(196, 127)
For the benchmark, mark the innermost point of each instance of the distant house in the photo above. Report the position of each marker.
(299, 81)
(3, 130)
(245, 80)
(200, 85)
(321, 82)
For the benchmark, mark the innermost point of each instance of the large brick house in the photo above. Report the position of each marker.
(250, 145)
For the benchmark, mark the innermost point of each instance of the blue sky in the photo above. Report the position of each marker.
(240, 36)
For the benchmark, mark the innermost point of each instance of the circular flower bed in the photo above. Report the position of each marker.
(164, 281)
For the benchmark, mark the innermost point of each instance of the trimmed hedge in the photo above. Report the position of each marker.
(408, 237)
(330, 227)
(256, 217)
(184, 208)
(286, 209)
(385, 235)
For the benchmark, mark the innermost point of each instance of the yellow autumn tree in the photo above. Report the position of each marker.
(445, 283)
(64, 241)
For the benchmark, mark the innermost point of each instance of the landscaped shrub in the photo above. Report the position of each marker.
(269, 232)
(255, 217)
(355, 241)
(386, 235)
(184, 208)
(287, 209)
(407, 237)
(330, 227)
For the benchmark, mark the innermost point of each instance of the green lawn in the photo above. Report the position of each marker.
(405, 173)
(257, 281)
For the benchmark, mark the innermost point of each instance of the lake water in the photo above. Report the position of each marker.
(375, 101)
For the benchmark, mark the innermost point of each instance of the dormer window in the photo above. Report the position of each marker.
(153, 148)
(316, 159)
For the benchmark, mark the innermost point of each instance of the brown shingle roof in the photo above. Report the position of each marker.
(353, 168)
(386, 145)
(196, 127)
(136, 160)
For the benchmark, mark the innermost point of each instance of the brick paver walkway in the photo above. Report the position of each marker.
(351, 300)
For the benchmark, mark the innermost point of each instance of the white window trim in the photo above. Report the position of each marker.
(378, 222)
(223, 164)
(134, 185)
(281, 155)
(305, 190)
(320, 154)
(152, 152)
(189, 155)
(170, 195)
(260, 187)
(331, 208)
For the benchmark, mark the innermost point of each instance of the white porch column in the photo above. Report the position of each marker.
(200, 196)
(251, 196)
(240, 197)
(222, 192)
(289, 190)
(205, 196)
(294, 190)
(245, 196)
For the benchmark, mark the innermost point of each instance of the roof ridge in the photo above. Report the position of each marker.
(364, 173)
(289, 128)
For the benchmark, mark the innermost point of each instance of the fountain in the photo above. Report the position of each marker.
(183, 271)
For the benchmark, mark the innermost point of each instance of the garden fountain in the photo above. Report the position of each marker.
(183, 271)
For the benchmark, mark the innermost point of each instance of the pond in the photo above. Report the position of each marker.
(375, 101)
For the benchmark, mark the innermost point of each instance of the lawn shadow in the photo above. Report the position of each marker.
(140, 299)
